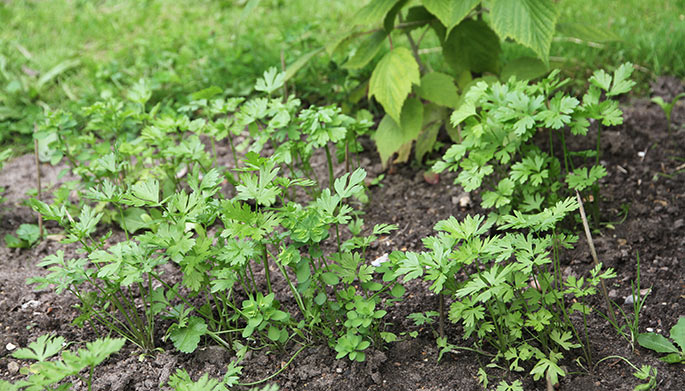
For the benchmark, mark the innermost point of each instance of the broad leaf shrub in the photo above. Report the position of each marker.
(416, 90)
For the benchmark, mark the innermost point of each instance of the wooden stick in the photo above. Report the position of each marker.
(590, 243)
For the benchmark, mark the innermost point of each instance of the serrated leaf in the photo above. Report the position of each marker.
(529, 22)
(147, 191)
(374, 12)
(187, 338)
(621, 83)
(367, 50)
(472, 46)
(450, 12)
(392, 79)
(439, 88)
(390, 137)
(656, 342)
(41, 349)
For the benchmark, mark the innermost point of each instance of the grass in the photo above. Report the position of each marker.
(181, 46)
(651, 33)
(86, 49)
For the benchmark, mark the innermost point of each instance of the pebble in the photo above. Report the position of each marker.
(10, 346)
(650, 330)
(338, 370)
(12, 367)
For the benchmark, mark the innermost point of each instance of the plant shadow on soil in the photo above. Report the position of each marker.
(646, 175)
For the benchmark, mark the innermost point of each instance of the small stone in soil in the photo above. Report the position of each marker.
(12, 367)
(10, 346)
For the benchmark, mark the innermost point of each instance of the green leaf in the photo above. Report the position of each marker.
(472, 46)
(292, 69)
(29, 233)
(529, 22)
(187, 338)
(374, 12)
(524, 68)
(41, 349)
(207, 93)
(12, 241)
(391, 80)
(390, 137)
(450, 12)
(147, 191)
(656, 342)
(621, 83)
(330, 278)
(134, 219)
(439, 88)
(677, 333)
(367, 50)
(433, 119)
(271, 81)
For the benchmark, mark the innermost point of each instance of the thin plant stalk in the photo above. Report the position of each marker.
(40, 192)
(588, 236)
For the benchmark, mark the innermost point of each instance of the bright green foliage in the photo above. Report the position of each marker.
(392, 79)
(499, 121)
(49, 375)
(470, 47)
(661, 344)
(529, 22)
(27, 236)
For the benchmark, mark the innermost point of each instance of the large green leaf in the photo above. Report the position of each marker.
(656, 342)
(450, 12)
(375, 11)
(439, 88)
(529, 22)
(678, 333)
(524, 68)
(390, 137)
(472, 46)
(391, 80)
(433, 118)
(367, 50)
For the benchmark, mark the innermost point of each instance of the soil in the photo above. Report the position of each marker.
(646, 178)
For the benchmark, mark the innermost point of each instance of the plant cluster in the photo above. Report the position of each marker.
(150, 172)
(499, 122)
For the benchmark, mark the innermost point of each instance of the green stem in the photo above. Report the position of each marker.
(277, 372)
(330, 167)
(266, 269)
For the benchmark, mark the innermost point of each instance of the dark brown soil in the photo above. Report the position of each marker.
(646, 177)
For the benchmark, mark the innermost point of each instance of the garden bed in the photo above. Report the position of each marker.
(642, 199)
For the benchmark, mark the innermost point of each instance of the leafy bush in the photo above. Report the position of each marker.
(499, 122)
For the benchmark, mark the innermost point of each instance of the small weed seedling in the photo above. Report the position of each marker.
(661, 344)
(27, 236)
(668, 107)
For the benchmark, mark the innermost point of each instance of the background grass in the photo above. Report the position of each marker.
(67, 53)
